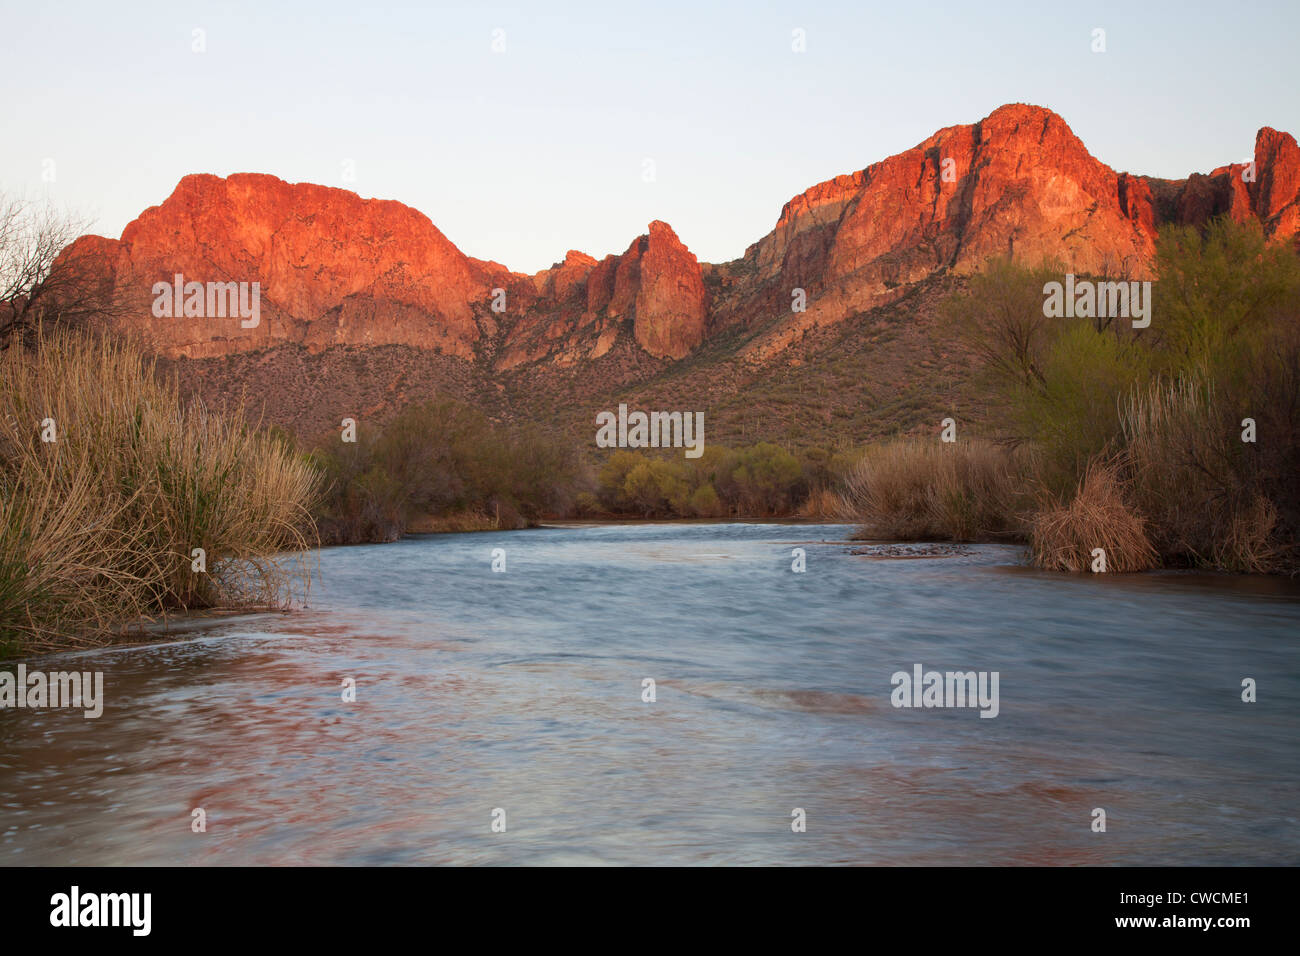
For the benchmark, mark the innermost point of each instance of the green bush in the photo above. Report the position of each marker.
(443, 460)
(1164, 407)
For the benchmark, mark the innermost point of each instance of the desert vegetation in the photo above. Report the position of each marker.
(109, 482)
(752, 481)
(445, 466)
(916, 488)
(441, 466)
(1171, 445)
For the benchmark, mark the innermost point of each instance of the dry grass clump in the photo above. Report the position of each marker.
(823, 504)
(98, 528)
(1063, 538)
(915, 489)
(1204, 490)
(501, 519)
(69, 561)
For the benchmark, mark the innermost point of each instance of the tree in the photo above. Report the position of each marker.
(1223, 291)
(40, 282)
(1001, 317)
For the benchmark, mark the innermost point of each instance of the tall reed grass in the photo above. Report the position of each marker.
(912, 489)
(98, 528)
(1195, 479)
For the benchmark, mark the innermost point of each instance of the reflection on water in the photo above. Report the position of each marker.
(523, 691)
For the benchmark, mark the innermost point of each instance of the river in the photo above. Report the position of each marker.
(523, 692)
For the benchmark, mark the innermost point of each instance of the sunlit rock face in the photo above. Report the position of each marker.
(334, 269)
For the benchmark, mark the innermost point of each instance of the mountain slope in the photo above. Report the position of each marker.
(337, 272)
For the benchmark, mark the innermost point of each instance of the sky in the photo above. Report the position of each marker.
(527, 130)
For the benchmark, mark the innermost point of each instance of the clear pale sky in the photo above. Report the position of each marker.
(521, 155)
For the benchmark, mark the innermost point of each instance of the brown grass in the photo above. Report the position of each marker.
(1063, 537)
(1196, 481)
(924, 489)
(824, 504)
(97, 528)
(501, 519)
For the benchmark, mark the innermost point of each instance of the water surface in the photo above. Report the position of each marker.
(523, 691)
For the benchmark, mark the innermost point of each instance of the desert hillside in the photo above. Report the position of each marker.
(365, 306)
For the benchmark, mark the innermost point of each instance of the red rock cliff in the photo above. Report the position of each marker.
(337, 269)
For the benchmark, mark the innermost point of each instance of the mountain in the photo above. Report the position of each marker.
(339, 273)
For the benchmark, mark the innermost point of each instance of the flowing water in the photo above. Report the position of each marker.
(523, 691)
